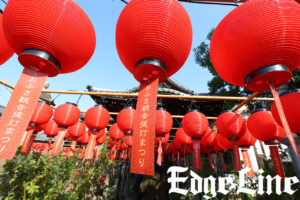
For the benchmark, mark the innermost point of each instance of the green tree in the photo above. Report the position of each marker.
(217, 86)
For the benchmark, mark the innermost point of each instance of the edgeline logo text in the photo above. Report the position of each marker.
(226, 184)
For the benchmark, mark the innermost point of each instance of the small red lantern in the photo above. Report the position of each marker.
(291, 106)
(262, 125)
(65, 116)
(244, 143)
(116, 135)
(41, 115)
(100, 142)
(195, 125)
(153, 44)
(232, 126)
(125, 120)
(51, 129)
(56, 37)
(271, 55)
(163, 125)
(77, 130)
(5, 51)
(96, 118)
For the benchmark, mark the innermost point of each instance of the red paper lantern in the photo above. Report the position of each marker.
(164, 122)
(231, 125)
(291, 106)
(182, 137)
(97, 118)
(102, 140)
(247, 140)
(84, 139)
(115, 133)
(51, 129)
(262, 125)
(40, 127)
(66, 115)
(270, 53)
(157, 37)
(42, 114)
(5, 51)
(209, 139)
(273, 52)
(125, 120)
(195, 125)
(153, 39)
(57, 36)
(77, 130)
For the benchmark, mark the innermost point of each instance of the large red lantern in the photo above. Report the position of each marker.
(41, 115)
(5, 51)
(153, 39)
(273, 52)
(96, 118)
(232, 126)
(291, 106)
(65, 116)
(125, 120)
(195, 125)
(263, 126)
(56, 37)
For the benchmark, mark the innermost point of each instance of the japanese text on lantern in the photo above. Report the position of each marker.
(16, 116)
(143, 127)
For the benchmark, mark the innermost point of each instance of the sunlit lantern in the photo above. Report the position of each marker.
(56, 37)
(262, 125)
(75, 132)
(291, 106)
(244, 143)
(116, 136)
(232, 126)
(163, 125)
(5, 51)
(125, 120)
(41, 115)
(270, 53)
(65, 116)
(96, 119)
(195, 125)
(153, 39)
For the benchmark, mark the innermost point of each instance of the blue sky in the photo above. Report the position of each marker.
(105, 69)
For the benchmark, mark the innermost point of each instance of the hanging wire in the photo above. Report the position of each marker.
(4, 2)
(120, 0)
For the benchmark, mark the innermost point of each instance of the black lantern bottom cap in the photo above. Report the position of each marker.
(148, 69)
(260, 79)
(40, 61)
